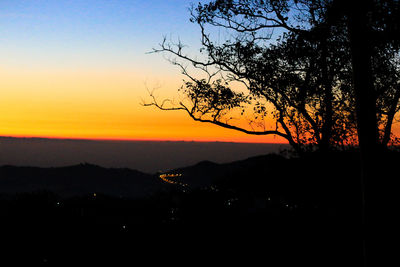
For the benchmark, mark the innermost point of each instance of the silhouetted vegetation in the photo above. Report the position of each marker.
(313, 72)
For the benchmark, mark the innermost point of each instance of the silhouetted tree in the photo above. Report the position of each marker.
(294, 61)
(373, 30)
(374, 34)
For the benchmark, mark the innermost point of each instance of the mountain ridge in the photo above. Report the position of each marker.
(78, 180)
(88, 178)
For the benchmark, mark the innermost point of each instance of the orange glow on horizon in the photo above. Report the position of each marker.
(123, 139)
(99, 105)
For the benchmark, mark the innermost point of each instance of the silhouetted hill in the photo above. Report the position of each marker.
(271, 170)
(272, 173)
(314, 178)
(294, 210)
(88, 179)
(79, 180)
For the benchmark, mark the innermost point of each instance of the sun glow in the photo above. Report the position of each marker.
(98, 105)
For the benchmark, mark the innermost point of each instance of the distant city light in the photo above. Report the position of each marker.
(166, 178)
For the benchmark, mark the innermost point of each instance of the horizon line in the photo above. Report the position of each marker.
(134, 139)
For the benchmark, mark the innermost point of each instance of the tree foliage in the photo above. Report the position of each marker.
(294, 62)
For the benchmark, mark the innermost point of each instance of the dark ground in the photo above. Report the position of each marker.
(266, 210)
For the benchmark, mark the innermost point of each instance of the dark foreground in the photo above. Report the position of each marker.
(266, 211)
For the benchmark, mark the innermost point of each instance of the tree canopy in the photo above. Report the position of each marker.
(304, 68)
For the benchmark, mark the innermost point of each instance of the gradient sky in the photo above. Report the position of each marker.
(79, 69)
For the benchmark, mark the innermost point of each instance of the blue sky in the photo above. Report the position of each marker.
(61, 33)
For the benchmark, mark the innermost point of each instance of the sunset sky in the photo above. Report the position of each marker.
(79, 69)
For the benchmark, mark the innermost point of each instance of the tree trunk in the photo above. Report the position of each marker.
(362, 77)
(361, 49)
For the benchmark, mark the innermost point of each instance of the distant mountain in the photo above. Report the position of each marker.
(206, 173)
(89, 179)
(310, 177)
(272, 173)
(79, 180)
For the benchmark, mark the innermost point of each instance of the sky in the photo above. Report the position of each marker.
(80, 69)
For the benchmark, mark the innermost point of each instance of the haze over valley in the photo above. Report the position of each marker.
(145, 156)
